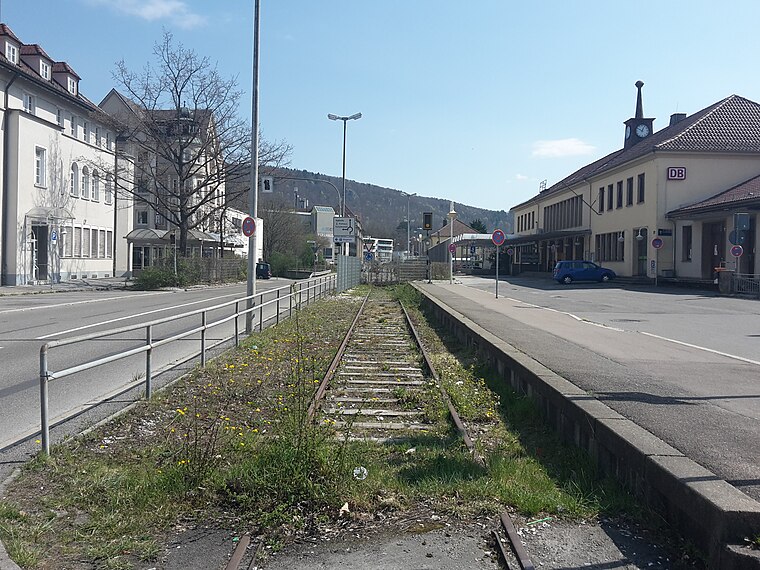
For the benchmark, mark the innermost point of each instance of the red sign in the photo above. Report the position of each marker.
(676, 173)
(452, 248)
(737, 251)
(498, 237)
(657, 243)
(249, 226)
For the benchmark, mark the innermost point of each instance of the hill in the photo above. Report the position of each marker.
(380, 209)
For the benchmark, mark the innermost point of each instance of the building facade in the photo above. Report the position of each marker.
(662, 206)
(58, 206)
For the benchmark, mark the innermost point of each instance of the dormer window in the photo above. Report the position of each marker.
(11, 52)
(44, 70)
(72, 86)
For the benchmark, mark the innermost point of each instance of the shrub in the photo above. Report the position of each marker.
(152, 278)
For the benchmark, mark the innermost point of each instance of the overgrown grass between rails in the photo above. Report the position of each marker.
(230, 444)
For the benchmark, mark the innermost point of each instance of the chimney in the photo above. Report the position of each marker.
(676, 118)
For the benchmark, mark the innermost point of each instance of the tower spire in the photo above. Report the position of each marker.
(639, 106)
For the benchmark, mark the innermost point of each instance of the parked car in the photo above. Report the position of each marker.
(263, 270)
(568, 271)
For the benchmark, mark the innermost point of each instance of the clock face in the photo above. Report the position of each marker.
(642, 131)
(627, 131)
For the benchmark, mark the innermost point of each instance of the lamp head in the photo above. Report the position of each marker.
(355, 116)
(333, 117)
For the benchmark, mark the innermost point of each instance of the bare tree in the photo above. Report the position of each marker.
(284, 232)
(186, 136)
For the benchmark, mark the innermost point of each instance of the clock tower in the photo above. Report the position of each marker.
(637, 128)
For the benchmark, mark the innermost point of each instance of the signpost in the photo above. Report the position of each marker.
(497, 237)
(737, 251)
(452, 248)
(344, 230)
(657, 243)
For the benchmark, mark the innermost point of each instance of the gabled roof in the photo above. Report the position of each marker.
(746, 194)
(63, 67)
(730, 125)
(6, 31)
(34, 49)
(459, 228)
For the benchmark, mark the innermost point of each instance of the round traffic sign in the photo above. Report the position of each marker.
(737, 251)
(498, 237)
(452, 248)
(249, 226)
(368, 256)
(510, 251)
(657, 243)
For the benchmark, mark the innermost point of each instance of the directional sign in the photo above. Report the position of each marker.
(737, 251)
(657, 243)
(249, 226)
(344, 230)
(452, 248)
(498, 237)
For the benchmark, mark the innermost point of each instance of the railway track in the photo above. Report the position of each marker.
(376, 388)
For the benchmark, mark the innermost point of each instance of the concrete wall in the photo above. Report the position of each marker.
(706, 510)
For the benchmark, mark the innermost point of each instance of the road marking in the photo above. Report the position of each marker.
(602, 325)
(75, 303)
(718, 352)
(134, 316)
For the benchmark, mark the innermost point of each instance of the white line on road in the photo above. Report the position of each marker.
(586, 321)
(134, 316)
(75, 303)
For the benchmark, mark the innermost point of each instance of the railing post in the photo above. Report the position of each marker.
(203, 338)
(148, 363)
(237, 326)
(261, 312)
(290, 301)
(44, 425)
(277, 320)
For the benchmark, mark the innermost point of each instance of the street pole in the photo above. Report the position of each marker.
(345, 121)
(452, 217)
(254, 190)
(497, 271)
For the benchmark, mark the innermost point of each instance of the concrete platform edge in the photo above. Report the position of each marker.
(715, 516)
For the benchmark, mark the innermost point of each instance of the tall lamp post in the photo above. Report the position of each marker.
(452, 216)
(345, 120)
(253, 192)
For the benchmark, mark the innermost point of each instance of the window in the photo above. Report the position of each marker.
(629, 192)
(97, 136)
(73, 126)
(609, 247)
(11, 52)
(29, 103)
(620, 194)
(59, 117)
(686, 243)
(77, 242)
(86, 242)
(109, 243)
(40, 163)
(142, 217)
(109, 190)
(601, 199)
(96, 186)
(72, 86)
(609, 197)
(101, 244)
(85, 183)
(86, 132)
(44, 70)
(74, 180)
(640, 198)
(67, 235)
(108, 141)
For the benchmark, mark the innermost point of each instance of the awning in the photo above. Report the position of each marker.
(49, 213)
(533, 238)
(151, 235)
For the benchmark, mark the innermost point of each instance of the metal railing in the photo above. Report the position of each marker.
(296, 296)
(746, 284)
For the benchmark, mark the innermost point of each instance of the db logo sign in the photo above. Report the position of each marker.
(676, 173)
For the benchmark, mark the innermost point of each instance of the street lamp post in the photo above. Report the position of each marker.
(345, 120)
(452, 217)
(253, 192)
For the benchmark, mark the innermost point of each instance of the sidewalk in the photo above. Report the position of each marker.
(105, 284)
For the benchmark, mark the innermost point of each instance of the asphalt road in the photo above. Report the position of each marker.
(28, 321)
(683, 364)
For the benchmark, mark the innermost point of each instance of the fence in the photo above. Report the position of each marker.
(395, 271)
(296, 295)
(746, 284)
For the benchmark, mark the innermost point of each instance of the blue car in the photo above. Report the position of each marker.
(568, 271)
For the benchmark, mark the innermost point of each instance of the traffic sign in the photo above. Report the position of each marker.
(510, 251)
(368, 256)
(498, 237)
(344, 230)
(473, 249)
(452, 248)
(737, 237)
(657, 243)
(737, 251)
(53, 236)
(249, 226)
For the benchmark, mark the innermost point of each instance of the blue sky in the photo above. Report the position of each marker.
(475, 102)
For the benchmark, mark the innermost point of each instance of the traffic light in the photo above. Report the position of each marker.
(267, 185)
(427, 220)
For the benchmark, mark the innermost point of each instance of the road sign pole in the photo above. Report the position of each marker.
(497, 271)
(656, 264)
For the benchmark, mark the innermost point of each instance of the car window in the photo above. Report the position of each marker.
(589, 265)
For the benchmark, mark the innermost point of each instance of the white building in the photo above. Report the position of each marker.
(57, 206)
